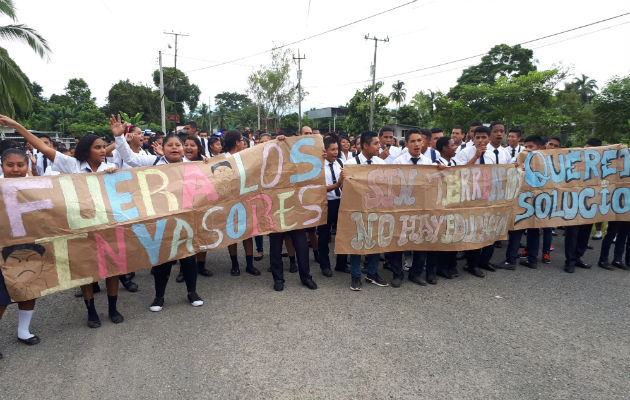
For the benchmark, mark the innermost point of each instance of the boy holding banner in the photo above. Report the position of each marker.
(368, 155)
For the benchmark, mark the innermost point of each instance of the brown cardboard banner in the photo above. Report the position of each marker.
(64, 231)
(406, 207)
(573, 187)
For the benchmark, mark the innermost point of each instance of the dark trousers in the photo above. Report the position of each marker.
(162, 272)
(276, 240)
(472, 258)
(447, 261)
(323, 233)
(575, 242)
(547, 238)
(621, 229)
(259, 243)
(486, 254)
(533, 244)
(419, 260)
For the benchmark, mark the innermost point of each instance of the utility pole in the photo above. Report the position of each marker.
(162, 108)
(373, 70)
(175, 69)
(299, 74)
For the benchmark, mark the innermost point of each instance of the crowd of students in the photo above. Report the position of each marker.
(132, 148)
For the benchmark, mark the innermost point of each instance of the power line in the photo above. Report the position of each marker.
(306, 38)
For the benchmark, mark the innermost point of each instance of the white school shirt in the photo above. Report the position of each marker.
(394, 152)
(116, 158)
(450, 163)
(405, 159)
(363, 160)
(42, 163)
(464, 156)
(432, 154)
(70, 165)
(514, 151)
(329, 180)
(464, 145)
(343, 156)
(139, 160)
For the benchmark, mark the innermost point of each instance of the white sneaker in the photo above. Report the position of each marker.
(157, 305)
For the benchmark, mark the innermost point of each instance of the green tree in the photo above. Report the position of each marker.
(501, 61)
(399, 93)
(584, 87)
(231, 100)
(612, 110)
(79, 92)
(358, 117)
(407, 115)
(14, 86)
(177, 87)
(133, 99)
(272, 87)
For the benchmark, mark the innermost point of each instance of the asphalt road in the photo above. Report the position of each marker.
(524, 334)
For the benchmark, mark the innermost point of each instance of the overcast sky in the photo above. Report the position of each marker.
(104, 41)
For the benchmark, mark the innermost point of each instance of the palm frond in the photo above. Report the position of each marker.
(30, 36)
(7, 8)
(14, 87)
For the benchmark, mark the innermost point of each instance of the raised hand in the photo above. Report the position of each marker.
(157, 147)
(116, 125)
(8, 122)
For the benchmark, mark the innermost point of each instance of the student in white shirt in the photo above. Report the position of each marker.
(457, 134)
(414, 142)
(42, 161)
(333, 170)
(172, 151)
(470, 137)
(344, 148)
(90, 157)
(214, 146)
(369, 156)
(191, 129)
(388, 152)
(426, 149)
(514, 148)
(135, 139)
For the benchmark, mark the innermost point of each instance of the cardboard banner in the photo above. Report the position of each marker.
(573, 187)
(63, 231)
(404, 207)
(407, 207)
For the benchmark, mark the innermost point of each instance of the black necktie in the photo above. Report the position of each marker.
(462, 146)
(203, 146)
(369, 161)
(496, 154)
(414, 160)
(449, 163)
(332, 172)
(513, 152)
(481, 160)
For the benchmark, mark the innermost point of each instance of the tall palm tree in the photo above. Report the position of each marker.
(585, 87)
(14, 85)
(399, 94)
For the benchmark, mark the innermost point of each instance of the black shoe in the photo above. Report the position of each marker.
(417, 280)
(605, 265)
(375, 279)
(454, 273)
(488, 267)
(194, 299)
(528, 264)
(475, 271)
(259, 257)
(116, 317)
(396, 282)
(204, 272)
(235, 271)
(620, 265)
(569, 268)
(309, 283)
(157, 305)
(252, 270)
(30, 341)
(327, 272)
(130, 285)
(293, 268)
(582, 264)
(180, 278)
(431, 280)
(507, 265)
(278, 286)
(343, 269)
(94, 323)
(355, 284)
(445, 274)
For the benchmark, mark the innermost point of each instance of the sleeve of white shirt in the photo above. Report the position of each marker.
(131, 158)
(65, 164)
(463, 157)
